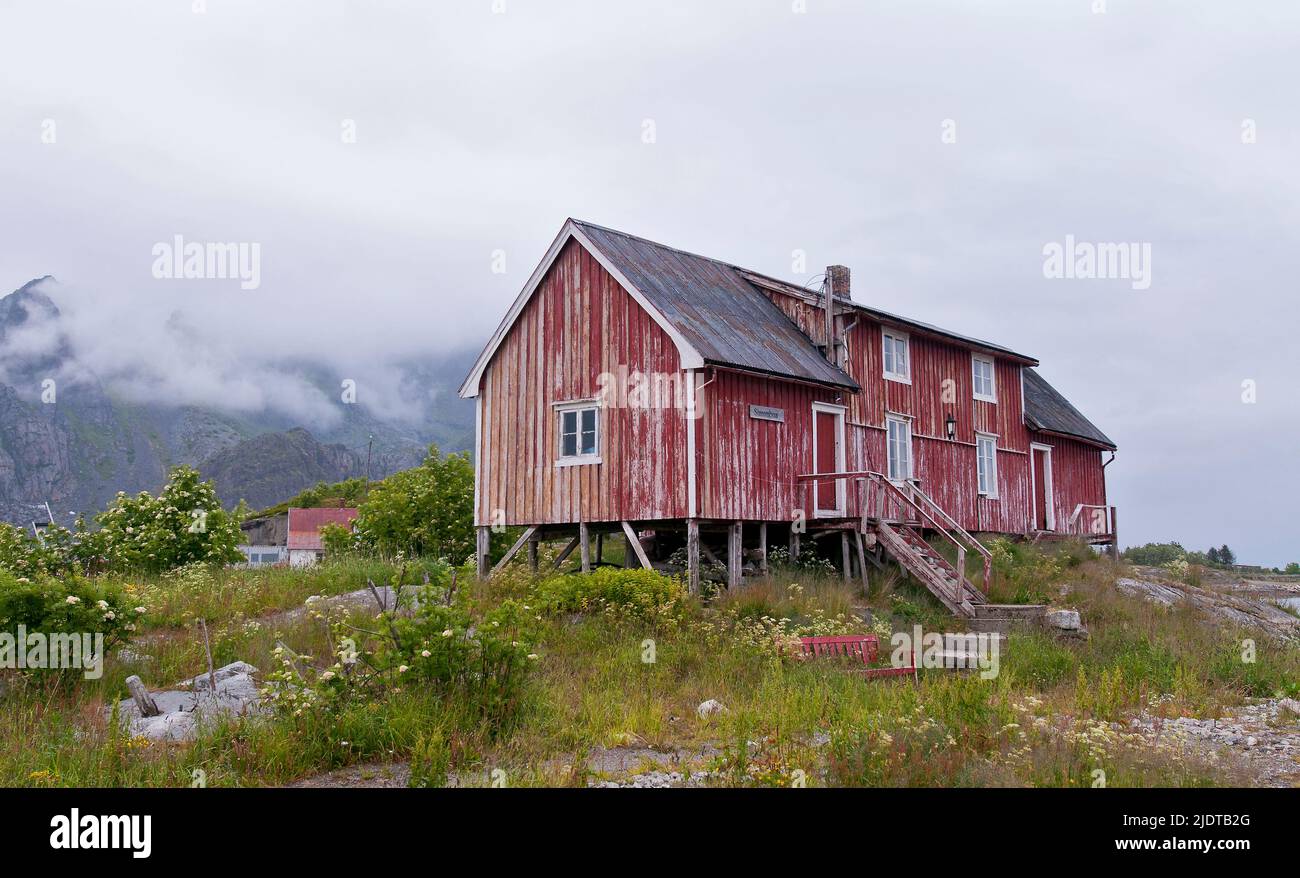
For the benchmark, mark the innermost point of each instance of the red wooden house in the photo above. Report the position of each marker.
(685, 403)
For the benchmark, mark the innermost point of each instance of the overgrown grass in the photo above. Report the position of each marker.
(617, 669)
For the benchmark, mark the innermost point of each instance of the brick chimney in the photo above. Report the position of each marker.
(837, 276)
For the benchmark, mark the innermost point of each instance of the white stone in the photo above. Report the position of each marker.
(182, 710)
(710, 707)
(1065, 620)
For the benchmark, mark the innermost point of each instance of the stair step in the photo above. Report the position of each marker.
(1010, 611)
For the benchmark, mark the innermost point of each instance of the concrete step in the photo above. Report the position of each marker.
(1022, 612)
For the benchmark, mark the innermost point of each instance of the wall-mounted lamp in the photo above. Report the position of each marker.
(951, 423)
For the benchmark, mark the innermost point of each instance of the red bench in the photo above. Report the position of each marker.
(863, 646)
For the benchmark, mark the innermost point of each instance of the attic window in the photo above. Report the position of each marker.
(982, 373)
(897, 362)
(579, 433)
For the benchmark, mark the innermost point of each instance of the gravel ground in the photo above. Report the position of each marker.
(1263, 737)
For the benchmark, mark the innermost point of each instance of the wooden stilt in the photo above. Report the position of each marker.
(794, 545)
(568, 550)
(762, 546)
(635, 545)
(693, 555)
(532, 554)
(848, 564)
(600, 548)
(519, 544)
(483, 544)
(735, 535)
(584, 542)
(862, 561)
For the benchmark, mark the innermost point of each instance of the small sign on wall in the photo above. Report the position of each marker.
(767, 413)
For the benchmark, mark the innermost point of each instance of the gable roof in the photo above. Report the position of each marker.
(718, 311)
(709, 309)
(1047, 410)
(305, 525)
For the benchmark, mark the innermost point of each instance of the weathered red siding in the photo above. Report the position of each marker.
(579, 324)
(1078, 478)
(749, 467)
(942, 384)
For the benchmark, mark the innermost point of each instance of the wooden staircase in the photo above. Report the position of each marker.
(898, 514)
(906, 546)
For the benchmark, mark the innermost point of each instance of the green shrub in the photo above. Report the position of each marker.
(430, 760)
(74, 605)
(23, 554)
(639, 593)
(427, 510)
(476, 661)
(183, 524)
(1154, 554)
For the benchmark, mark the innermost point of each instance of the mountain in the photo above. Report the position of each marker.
(70, 439)
(269, 468)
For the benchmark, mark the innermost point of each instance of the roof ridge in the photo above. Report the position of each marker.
(861, 306)
(664, 246)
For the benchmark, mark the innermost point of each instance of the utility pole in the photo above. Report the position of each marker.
(369, 446)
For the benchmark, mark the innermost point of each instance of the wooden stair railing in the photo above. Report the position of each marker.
(898, 513)
(970, 541)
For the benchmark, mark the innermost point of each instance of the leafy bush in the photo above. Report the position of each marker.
(74, 605)
(1154, 554)
(478, 661)
(23, 554)
(807, 559)
(183, 524)
(639, 593)
(427, 510)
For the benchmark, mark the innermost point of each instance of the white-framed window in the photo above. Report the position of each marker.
(898, 360)
(579, 426)
(986, 387)
(898, 448)
(986, 456)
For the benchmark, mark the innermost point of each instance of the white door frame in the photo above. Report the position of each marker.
(841, 494)
(1047, 486)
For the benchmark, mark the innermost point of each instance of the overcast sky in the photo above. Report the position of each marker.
(829, 131)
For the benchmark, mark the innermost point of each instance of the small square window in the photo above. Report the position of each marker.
(579, 433)
(896, 359)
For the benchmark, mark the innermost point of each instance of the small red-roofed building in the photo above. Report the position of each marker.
(305, 546)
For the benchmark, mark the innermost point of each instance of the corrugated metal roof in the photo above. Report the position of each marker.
(1046, 409)
(896, 319)
(305, 525)
(717, 311)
